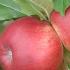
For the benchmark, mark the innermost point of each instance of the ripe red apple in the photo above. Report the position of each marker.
(61, 25)
(33, 45)
(4, 57)
(1, 48)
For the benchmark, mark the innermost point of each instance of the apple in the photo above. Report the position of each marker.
(1, 48)
(61, 24)
(31, 44)
(4, 57)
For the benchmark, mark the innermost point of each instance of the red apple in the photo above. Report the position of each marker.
(1, 48)
(33, 45)
(61, 24)
(4, 57)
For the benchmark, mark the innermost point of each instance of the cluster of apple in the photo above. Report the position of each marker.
(29, 43)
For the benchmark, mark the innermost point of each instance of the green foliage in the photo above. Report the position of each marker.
(61, 5)
(30, 8)
(67, 58)
(16, 8)
(46, 5)
(9, 10)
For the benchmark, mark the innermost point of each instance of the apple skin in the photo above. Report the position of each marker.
(1, 48)
(4, 57)
(34, 45)
(61, 24)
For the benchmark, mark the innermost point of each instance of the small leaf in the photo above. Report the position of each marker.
(61, 5)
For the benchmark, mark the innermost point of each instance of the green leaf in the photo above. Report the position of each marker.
(6, 13)
(30, 8)
(46, 5)
(61, 5)
(4, 23)
(67, 58)
(9, 9)
(25, 6)
(1, 26)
